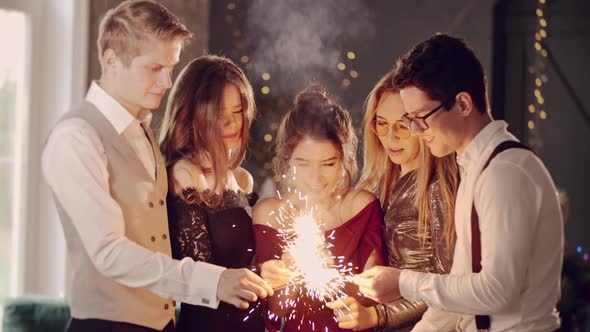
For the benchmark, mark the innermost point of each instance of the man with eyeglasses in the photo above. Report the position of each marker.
(508, 255)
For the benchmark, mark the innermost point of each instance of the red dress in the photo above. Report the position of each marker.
(355, 240)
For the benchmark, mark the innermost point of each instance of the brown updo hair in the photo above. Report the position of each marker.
(317, 117)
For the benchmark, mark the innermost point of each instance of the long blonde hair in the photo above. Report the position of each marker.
(379, 174)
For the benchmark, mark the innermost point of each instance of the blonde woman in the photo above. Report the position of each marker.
(417, 192)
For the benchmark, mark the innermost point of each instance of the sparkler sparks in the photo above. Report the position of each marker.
(306, 236)
(314, 267)
(318, 274)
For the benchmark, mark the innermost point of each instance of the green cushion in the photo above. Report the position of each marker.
(38, 313)
(35, 313)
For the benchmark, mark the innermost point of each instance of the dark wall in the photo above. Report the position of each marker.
(561, 139)
(396, 26)
(387, 30)
(402, 24)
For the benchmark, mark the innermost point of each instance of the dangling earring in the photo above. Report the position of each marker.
(288, 179)
(342, 182)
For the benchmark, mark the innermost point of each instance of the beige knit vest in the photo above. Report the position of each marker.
(143, 202)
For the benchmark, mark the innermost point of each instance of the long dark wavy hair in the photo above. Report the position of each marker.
(193, 123)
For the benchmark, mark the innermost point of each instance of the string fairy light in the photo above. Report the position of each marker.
(536, 109)
(347, 62)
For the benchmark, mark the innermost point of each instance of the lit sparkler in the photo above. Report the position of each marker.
(314, 266)
(317, 273)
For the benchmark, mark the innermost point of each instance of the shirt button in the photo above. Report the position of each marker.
(150, 204)
(174, 303)
(153, 238)
(164, 236)
(161, 202)
(166, 306)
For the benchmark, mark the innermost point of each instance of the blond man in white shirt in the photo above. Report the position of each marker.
(443, 88)
(109, 181)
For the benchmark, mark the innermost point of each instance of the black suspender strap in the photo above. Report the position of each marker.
(482, 322)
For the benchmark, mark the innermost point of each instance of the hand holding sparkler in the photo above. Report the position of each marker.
(238, 286)
(307, 274)
(353, 315)
(276, 272)
(380, 283)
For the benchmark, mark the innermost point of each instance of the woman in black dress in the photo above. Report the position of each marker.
(204, 137)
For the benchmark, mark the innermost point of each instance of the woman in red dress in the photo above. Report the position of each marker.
(316, 159)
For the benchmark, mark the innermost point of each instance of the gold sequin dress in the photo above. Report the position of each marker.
(404, 250)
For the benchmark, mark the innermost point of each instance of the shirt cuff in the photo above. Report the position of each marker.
(408, 285)
(206, 278)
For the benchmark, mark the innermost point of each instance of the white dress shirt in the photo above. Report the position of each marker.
(73, 158)
(521, 239)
